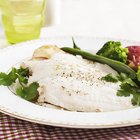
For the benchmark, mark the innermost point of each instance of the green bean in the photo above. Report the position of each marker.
(116, 65)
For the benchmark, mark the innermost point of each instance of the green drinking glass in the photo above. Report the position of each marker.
(22, 19)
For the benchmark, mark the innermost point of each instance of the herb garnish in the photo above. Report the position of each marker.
(8, 79)
(128, 86)
(138, 73)
(110, 78)
(30, 92)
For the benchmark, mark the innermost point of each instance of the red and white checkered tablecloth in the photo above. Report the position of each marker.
(15, 129)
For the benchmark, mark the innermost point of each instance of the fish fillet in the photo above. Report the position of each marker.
(75, 84)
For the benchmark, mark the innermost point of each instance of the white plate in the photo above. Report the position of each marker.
(15, 106)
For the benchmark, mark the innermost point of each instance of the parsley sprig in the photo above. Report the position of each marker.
(28, 92)
(110, 78)
(128, 86)
(8, 79)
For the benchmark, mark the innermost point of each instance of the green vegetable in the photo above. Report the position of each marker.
(22, 80)
(29, 93)
(126, 90)
(74, 44)
(129, 87)
(110, 78)
(10, 78)
(136, 99)
(122, 76)
(138, 74)
(114, 50)
(23, 74)
(130, 82)
(115, 78)
(118, 66)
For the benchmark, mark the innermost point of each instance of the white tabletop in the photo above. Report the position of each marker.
(100, 18)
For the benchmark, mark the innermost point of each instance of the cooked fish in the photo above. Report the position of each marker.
(74, 83)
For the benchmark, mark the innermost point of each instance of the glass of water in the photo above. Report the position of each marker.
(22, 19)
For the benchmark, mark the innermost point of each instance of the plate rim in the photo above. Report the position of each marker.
(19, 116)
(93, 126)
